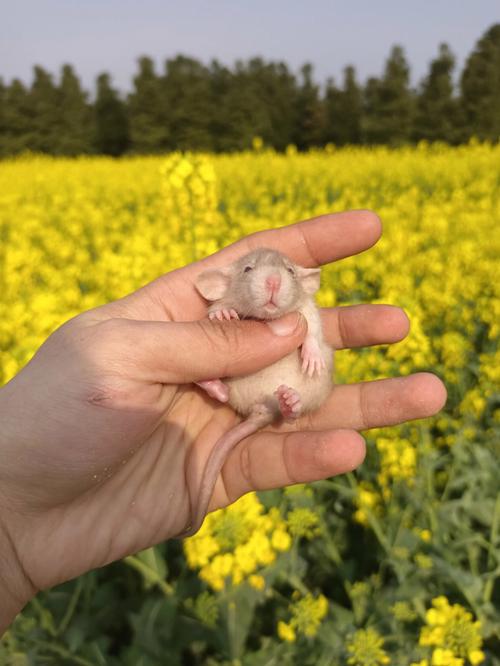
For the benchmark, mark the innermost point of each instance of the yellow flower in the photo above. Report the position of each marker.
(307, 613)
(281, 540)
(442, 657)
(258, 582)
(234, 543)
(398, 461)
(286, 632)
(365, 648)
(257, 143)
(303, 522)
(367, 501)
(423, 561)
(403, 612)
(453, 632)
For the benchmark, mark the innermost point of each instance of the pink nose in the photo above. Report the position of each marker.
(273, 282)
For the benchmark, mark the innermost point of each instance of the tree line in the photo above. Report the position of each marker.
(193, 106)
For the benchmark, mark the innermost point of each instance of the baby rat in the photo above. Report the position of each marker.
(264, 284)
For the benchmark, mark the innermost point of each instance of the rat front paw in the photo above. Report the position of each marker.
(312, 358)
(223, 314)
(290, 402)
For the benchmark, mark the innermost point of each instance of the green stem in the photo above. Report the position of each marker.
(57, 649)
(231, 629)
(372, 520)
(294, 579)
(331, 547)
(150, 575)
(488, 588)
(40, 610)
(71, 607)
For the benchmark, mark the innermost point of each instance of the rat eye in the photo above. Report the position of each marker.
(247, 269)
(291, 271)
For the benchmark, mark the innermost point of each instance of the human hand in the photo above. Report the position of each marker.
(104, 436)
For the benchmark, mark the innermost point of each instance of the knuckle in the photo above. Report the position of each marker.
(107, 393)
(111, 328)
(228, 342)
(223, 337)
(109, 348)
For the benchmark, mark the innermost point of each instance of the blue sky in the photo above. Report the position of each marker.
(109, 35)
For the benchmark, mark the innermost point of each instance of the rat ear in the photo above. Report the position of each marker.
(309, 279)
(213, 284)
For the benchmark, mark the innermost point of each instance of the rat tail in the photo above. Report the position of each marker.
(260, 416)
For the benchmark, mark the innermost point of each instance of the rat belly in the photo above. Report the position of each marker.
(259, 387)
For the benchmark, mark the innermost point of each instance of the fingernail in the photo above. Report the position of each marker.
(285, 325)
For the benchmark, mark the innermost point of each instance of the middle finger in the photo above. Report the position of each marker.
(375, 404)
(364, 325)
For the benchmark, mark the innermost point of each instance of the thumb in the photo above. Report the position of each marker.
(182, 352)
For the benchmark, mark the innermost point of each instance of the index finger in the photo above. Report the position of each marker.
(310, 243)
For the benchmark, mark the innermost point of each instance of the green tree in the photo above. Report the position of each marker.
(310, 112)
(343, 110)
(111, 127)
(370, 127)
(480, 88)
(43, 99)
(228, 125)
(17, 132)
(352, 106)
(261, 100)
(147, 109)
(436, 112)
(277, 91)
(74, 121)
(332, 103)
(3, 125)
(238, 113)
(389, 104)
(187, 91)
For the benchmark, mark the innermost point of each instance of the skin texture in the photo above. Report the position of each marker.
(264, 285)
(102, 429)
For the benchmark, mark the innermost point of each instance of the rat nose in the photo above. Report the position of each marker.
(273, 281)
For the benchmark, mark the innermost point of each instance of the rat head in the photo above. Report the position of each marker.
(263, 284)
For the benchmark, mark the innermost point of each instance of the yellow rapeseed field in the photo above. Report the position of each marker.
(78, 233)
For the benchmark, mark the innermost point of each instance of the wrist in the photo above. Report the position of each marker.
(16, 589)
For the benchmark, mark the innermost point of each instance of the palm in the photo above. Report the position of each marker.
(137, 482)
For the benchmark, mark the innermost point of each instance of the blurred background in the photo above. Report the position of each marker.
(111, 78)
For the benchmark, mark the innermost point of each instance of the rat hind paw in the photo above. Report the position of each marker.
(215, 389)
(223, 314)
(290, 402)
